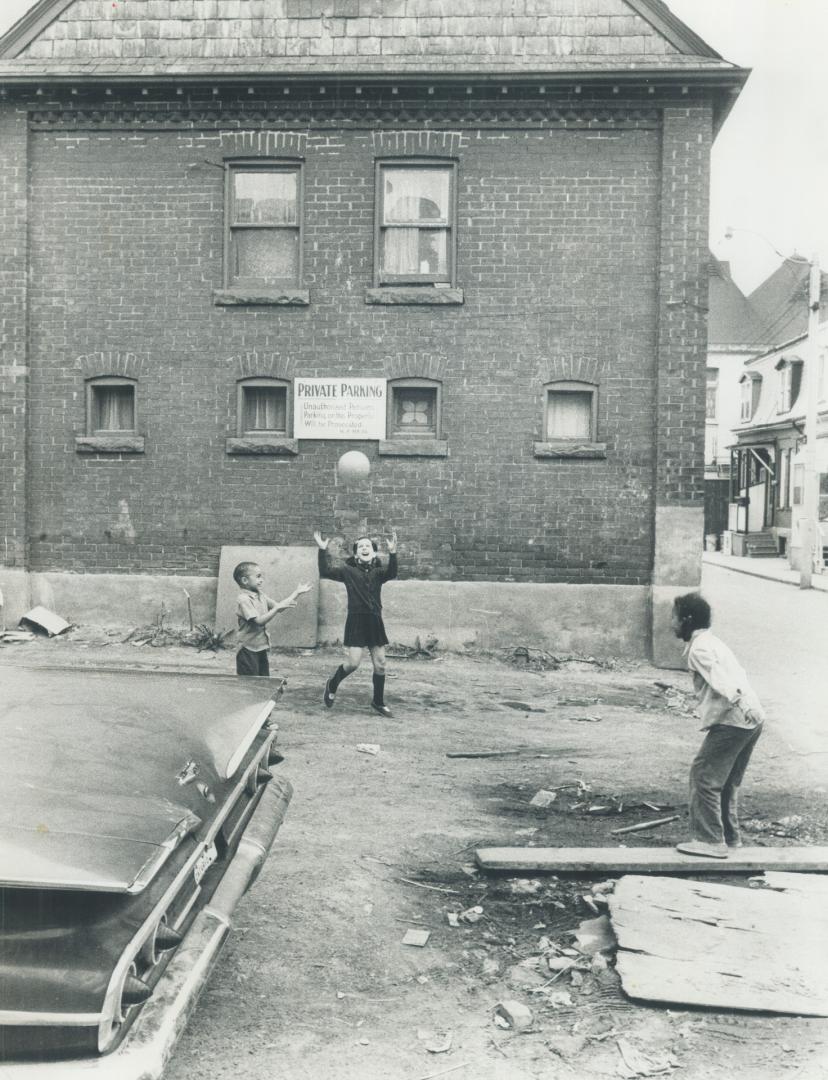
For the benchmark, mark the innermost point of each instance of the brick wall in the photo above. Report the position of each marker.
(558, 249)
(13, 365)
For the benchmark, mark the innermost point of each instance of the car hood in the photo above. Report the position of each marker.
(99, 769)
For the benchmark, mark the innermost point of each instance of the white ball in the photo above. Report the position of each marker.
(353, 466)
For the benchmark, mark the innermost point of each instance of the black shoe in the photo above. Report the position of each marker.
(383, 710)
(329, 697)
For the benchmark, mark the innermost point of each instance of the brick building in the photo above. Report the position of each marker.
(499, 217)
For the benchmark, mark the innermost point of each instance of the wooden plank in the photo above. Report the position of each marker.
(747, 860)
(725, 946)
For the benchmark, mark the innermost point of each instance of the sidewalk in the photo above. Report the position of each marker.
(772, 569)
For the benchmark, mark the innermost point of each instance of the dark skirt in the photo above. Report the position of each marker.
(364, 630)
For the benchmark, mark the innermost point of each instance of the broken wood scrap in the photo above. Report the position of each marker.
(720, 946)
(642, 825)
(623, 860)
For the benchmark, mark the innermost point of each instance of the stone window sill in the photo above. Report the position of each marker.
(566, 448)
(413, 448)
(109, 444)
(400, 295)
(237, 296)
(272, 445)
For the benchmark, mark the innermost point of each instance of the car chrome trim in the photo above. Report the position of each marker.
(111, 1005)
(151, 867)
(13, 1018)
(238, 754)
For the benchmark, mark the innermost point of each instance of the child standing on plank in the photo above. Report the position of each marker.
(254, 611)
(732, 717)
(363, 575)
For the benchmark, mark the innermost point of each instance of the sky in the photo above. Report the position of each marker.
(770, 160)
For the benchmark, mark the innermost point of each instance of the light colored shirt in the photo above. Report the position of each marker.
(250, 635)
(720, 683)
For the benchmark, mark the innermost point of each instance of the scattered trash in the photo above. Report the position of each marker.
(483, 753)
(642, 825)
(559, 999)
(419, 938)
(543, 798)
(15, 637)
(471, 915)
(436, 1042)
(595, 935)
(560, 963)
(368, 748)
(46, 620)
(513, 1015)
(525, 886)
(653, 807)
(491, 966)
(453, 918)
(414, 652)
(521, 706)
(566, 1046)
(587, 719)
(634, 1063)
(589, 902)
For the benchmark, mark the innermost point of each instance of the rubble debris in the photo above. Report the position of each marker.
(642, 825)
(419, 938)
(595, 935)
(543, 798)
(453, 918)
(472, 914)
(43, 619)
(587, 719)
(634, 1063)
(514, 1015)
(15, 637)
(436, 1042)
(368, 748)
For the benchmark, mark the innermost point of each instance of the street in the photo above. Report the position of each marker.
(780, 635)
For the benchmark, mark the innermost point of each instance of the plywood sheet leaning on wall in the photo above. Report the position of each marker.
(722, 946)
(284, 568)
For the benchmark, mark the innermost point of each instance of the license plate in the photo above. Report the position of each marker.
(204, 862)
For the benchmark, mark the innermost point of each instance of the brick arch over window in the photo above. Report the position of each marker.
(127, 365)
(416, 366)
(252, 365)
(586, 369)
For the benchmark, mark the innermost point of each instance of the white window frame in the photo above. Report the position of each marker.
(381, 276)
(570, 386)
(399, 432)
(233, 167)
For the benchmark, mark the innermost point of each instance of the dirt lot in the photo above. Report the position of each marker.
(315, 982)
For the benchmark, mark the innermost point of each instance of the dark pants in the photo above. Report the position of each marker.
(715, 776)
(252, 663)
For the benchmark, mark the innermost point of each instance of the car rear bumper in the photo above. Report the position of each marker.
(150, 1042)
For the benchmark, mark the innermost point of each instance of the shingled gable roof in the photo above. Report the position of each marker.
(97, 39)
(732, 324)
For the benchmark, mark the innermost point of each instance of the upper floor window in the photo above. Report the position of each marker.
(712, 389)
(110, 406)
(414, 409)
(263, 230)
(790, 372)
(751, 388)
(263, 407)
(415, 223)
(571, 410)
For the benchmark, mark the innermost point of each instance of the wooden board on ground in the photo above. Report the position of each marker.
(284, 568)
(721, 946)
(630, 860)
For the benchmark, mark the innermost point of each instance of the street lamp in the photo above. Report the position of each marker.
(810, 552)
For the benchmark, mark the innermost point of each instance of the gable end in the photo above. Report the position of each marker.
(31, 25)
(659, 16)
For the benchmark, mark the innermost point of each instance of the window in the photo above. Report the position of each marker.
(790, 377)
(415, 223)
(570, 412)
(262, 407)
(712, 387)
(798, 483)
(263, 241)
(751, 389)
(414, 409)
(110, 406)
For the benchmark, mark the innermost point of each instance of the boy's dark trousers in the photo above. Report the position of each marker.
(715, 776)
(252, 663)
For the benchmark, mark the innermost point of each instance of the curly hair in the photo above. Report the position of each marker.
(693, 613)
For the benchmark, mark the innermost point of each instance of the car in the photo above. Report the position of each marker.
(137, 810)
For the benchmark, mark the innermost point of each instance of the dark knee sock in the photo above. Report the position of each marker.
(379, 689)
(338, 676)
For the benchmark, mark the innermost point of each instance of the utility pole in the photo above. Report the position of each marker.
(811, 548)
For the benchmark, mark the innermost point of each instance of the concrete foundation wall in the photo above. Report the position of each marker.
(599, 620)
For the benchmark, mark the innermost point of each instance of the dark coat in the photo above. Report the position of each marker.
(363, 581)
